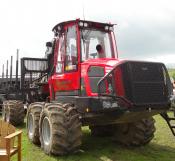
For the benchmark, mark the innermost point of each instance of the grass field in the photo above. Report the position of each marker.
(171, 72)
(162, 148)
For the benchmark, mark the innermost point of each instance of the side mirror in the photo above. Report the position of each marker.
(48, 44)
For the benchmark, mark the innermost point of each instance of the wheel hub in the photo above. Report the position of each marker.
(46, 131)
(30, 125)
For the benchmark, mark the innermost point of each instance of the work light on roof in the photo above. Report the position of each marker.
(59, 28)
(111, 28)
(106, 27)
(83, 24)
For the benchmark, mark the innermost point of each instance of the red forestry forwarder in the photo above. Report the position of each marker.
(82, 82)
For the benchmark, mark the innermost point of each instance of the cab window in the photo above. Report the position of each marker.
(61, 53)
(71, 49)
(95, 44)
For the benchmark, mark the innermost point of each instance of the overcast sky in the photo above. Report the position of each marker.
(144, 30)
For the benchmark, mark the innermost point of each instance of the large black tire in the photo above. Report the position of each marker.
(33, 116)
(13, 112)
(137, 133)
(102, 131)
(60, 129)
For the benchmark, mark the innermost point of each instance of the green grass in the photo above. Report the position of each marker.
(171, 73)
(161, 148)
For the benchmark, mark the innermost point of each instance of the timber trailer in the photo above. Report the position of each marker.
(82, 82)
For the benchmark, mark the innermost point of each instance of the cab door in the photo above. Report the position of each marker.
(66, 80)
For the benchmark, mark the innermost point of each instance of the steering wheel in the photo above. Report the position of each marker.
(93, 55)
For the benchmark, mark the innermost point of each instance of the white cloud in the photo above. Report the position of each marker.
(27, 24)
(166, 58)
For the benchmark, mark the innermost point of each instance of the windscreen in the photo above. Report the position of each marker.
(95, 44)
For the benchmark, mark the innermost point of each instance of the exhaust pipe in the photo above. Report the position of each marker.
(11, 65)
(17, 57)
(3, 71)
(7, 74)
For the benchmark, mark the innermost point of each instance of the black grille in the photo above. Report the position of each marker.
(146, 72)
(95, 73)
(145, 83)
(148, 93)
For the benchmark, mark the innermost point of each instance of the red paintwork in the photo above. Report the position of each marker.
(56, 51)
(107, 63)
(114, 46)
(119, 83)
(71, 81)
(65, 82)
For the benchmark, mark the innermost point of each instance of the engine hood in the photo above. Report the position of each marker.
(110, 62)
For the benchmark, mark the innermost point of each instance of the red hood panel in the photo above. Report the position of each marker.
(102, 62)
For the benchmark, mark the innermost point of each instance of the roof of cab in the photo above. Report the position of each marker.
(91, 24)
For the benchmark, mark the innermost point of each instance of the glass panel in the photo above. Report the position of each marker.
(61, 53)
(95, 44)
(71, 49)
